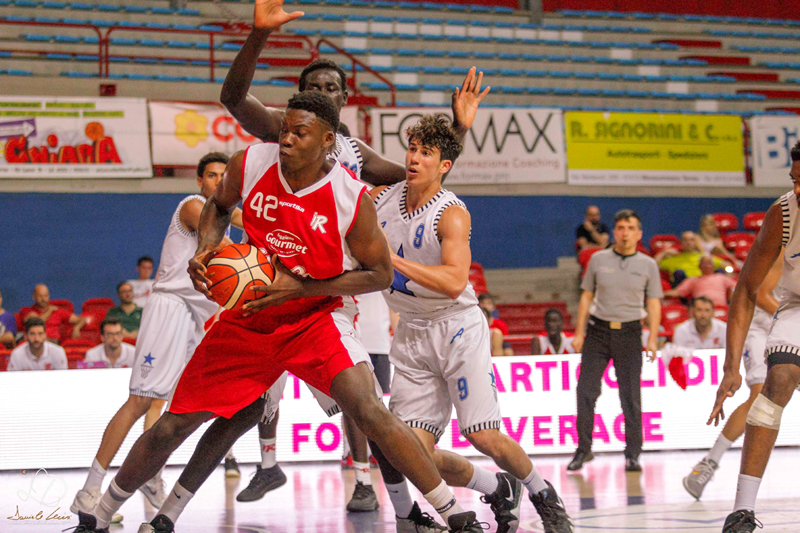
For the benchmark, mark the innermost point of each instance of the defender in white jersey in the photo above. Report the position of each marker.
(441, 349)
(781, 229)
(263, 122)
(171, 327)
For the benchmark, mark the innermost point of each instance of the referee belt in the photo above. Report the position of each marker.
(594, 321)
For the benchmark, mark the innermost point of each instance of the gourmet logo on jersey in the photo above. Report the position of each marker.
(285, 244)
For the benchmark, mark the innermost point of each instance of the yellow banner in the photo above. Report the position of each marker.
(654, 142)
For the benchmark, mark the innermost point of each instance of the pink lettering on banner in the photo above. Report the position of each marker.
(567, 426)
(521, 372)
(296, 384)
(545, 367)
(662, 373)
(541, 434)
(649, 426)
(564, 375)
(714, 370)
(498, 381)
(337, 437)
(516, 435)
(297, 437)
(648, 383)
(696, 361)
(600, 431)
(578, 373)
(458, 440)
(619, 432)
(607, 377)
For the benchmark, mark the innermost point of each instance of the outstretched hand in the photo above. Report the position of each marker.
(467, 98)
(731, 381)
(269, 15)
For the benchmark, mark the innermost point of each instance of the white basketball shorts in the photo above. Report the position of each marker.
(783, 341)
(167, 338)
(755, 359)
(441, 363)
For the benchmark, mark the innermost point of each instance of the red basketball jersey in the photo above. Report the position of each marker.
(305, 229)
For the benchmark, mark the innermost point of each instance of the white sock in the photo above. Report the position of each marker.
(155, 481)
(95, 478)
(401, 498)
(746, 492)
(110, 503)
(268, 452)
(535, 483)
(482, 480)
(362, 473)
(720, 447)
(442, 499)
(229, 455)
(175, 502)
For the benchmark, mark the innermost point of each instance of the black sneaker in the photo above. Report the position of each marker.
(363, 500)
(232, 468)
(87, 523)
(465, 522)
(505, 502)
(263, 481)
(579, 459)
(632, 464)
(741, 522)
(418, 522)
(160, 524)
(551, 509)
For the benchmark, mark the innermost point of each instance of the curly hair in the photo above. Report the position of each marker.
(317, 103)
(211, 157)
(436, 131)
(323, 64)
(795, 152)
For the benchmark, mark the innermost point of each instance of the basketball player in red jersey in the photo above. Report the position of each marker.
(321, 228)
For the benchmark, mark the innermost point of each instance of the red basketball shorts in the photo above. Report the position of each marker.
(234, 365)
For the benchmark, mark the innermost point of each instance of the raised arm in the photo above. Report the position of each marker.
(759, 262)
(257, 119)
(451, 277)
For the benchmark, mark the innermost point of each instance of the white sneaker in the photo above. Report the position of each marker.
(86, 501)
(155, 491)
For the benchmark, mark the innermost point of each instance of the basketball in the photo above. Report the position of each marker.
(235, 271)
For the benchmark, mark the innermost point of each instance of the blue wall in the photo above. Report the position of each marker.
(82, 245)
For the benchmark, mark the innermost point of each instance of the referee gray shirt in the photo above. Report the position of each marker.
(620, 284)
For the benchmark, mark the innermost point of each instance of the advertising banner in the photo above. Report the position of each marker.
(536, 395)
(654, 149)
(510, 145)
(183, 133)
(772, 138)
(44, 137)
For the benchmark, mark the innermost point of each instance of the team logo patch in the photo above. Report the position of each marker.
(147, 366)
(318, 223)
(285, 244)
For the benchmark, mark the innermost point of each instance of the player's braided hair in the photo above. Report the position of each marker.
(436, 131)
(211, 157)
(319, 104)
(323, 64)
(795, 152)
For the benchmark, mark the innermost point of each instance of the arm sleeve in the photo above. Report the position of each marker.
(653, 289)
(589, 282)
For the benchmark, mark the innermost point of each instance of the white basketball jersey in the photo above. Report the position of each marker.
(414, 236)
(547, 347)
(373, 323)
(347, 153)
(172, 278)
(790, 279)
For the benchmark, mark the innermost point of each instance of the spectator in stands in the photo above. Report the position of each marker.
(127, 312)
(711, 284)
(685, 263)
(113, 352)
(591, 233)
(553, 341)
(710, 241)
(37, 353)
(52, 315)
(496, 337)
(486, 301)
(702, 330)
(142, 285)
(8, 326)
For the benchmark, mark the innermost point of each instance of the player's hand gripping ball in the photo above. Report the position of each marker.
(235, 271)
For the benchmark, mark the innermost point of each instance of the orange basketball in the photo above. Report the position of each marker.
(235, 271)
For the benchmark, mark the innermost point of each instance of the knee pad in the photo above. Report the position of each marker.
(765, 413)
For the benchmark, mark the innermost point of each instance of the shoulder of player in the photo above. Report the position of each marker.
(452, 218)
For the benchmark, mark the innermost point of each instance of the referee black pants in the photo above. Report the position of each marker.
(624, 347)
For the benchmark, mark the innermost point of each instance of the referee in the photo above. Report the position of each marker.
(617, 283)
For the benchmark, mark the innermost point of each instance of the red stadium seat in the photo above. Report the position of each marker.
(721, 312)
(129, 340)
(4, 357)
(738, 239)
(96, 304)
(741, 253)
(640, 248)
(74, 355)
(672, 315)
(660, 242)
(63, 304)
(77, 344)
(584, 256)
(753, 221)
(726, 222)
(20, 325)
(476, 268)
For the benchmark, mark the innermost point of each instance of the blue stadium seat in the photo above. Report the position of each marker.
(145, 60)
(26, 3)
(186, 11)
(459, 53)
(162, 10)
(67, 39)
(174, 61)
(60, 57)
(434, 53)
(124, 41)
(135, 9)
(121, 59)
(183, 26)
(458, 71)
(332, 18)
(156, 25)
(199, 63)
(14, 18)
(152, 42)
(37, 37)
(129, 24)
(508, 89)
(586, 75)
(435, 87)
(434, 70)
(406, 87)
(560, 74)
(135, 76)
(588, 92)
(73, 74)
(85, 57)
(167, 77)
(111, 8)
(195, 79)
(102, 23)
(54, 5)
